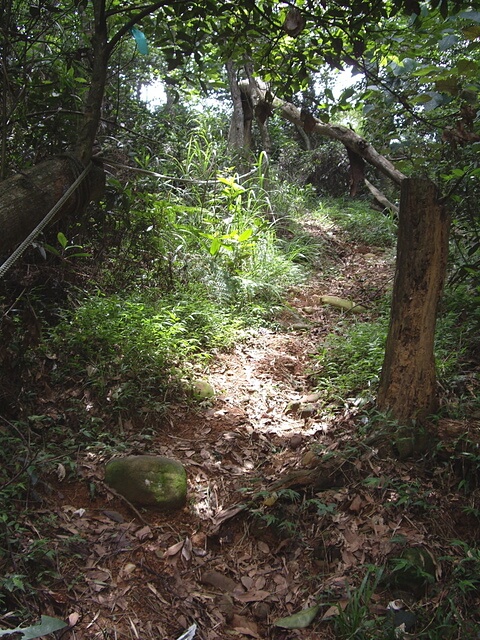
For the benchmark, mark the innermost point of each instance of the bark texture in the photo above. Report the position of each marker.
(27, 197)
(94, 100)
(236, 135)
(408, 381)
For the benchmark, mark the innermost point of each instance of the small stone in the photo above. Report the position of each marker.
(310, 459)
(307, 410)
(293, 407)
(153, 481)
(202, 390)
(296, 441)
(312, 397)
(299, 326)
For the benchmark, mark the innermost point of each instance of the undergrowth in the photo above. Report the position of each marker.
(359, 221)
(350, 359)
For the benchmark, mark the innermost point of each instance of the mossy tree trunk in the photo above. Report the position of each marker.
(27, 197)
(408, 389)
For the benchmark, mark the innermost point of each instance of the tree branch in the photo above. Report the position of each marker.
(146, 11)
(349, 138)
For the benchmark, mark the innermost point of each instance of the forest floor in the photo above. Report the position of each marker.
(288, 506)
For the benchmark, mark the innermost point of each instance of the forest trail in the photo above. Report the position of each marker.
(233, 569)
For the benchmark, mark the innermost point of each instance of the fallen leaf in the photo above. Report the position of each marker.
(143, 533)
(356, 504)
(187, 550)
(114, 515)
(46, 626)
(73, 618)
(129, 568)
(247, 582)
(252, 596)
(299, 620)
(334, 610)
(219, 581)
(226, 514)
(174, 549)
(241, 624)
(263, 547)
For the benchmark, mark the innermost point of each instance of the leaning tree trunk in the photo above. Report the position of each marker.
(27, 197)
(408, 381)
(350, 139)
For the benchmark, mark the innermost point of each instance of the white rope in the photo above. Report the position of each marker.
(41, 225)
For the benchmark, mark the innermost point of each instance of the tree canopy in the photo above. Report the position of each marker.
(59, 59)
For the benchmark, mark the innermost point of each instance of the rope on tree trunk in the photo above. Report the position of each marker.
(41, 225)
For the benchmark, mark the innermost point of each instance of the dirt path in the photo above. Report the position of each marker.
(229, 570)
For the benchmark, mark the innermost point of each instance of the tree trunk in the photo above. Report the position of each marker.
(94, 99)
(236, 135)
(408, 381)
(27, 197)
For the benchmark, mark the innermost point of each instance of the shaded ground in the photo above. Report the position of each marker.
(286, 505)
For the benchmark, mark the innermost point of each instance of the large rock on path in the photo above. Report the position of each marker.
(149, 481)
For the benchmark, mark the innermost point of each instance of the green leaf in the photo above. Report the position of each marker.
(299, 620)
(367, 108)
(448, 41)
(467, 67)
(62, 239)
(470, 15)
(472, 33)
(423, 98)
(50, 249)
(230, 182)
(46, 625)
(428, 70)
(245, 235)
(436, 100)
(215, 246)
(447, 85)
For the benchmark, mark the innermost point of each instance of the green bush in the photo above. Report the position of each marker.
(137, 336)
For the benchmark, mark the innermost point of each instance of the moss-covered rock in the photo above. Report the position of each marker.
(202, 390)
(151, 481)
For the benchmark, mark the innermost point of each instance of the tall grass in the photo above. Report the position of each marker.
(357, 219)
(189, 274)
